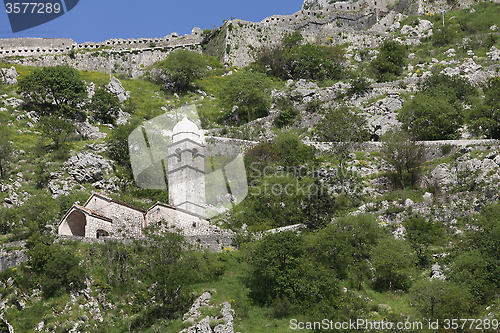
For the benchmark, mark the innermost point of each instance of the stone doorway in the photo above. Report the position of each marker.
(76, 222)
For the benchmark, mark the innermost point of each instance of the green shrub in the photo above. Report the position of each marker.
(6, 149)
(484, 117)
(282, 276)
(180, 68)
(105, 106)
(291, 60)
(287, 112)
(390, 61)
(359, 87)
(346, 128)
(431, 118)
(404, 155)
(446, 149)
(422, 233)
(312, 62)
(247, 91)
(292, 151)
(440, 299)
(394, 264)
(56, 128)
(436, 112)
(62, 273)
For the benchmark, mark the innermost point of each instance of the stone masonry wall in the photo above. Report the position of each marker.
(129, 219)
(122, 56)
(94, 224)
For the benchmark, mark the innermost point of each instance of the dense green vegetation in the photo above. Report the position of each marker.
(350, 261)
(436, 112)
(291, 59)
(390, 61)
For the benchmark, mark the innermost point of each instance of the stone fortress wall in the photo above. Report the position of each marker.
(53, 46)
(129, 56)
(120, 56)
(321, 22)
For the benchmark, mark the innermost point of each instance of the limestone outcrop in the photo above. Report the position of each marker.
(86, 130)
(203, 325)
(116, 88)
(9, 76)
(87, 167)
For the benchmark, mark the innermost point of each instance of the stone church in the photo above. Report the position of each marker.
(103, 216)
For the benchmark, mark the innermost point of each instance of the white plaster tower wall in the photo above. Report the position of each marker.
(186, 164)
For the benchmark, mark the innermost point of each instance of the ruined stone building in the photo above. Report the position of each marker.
(103, 216)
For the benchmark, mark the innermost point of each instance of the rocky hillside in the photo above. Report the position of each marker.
(370, 133)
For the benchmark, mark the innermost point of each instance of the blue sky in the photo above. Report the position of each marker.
(98, 20)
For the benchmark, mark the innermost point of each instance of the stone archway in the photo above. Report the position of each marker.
(76, 222)
(101, 233)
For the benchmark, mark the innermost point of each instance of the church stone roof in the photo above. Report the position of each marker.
(115, 201)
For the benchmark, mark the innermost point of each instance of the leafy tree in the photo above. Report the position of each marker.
(281, 272)
(320, 207)
(346, 244)
(453, 89)
(287, 114)
(421, 233)
(487, 240)
(359, 87)
(436, 112)
(394, 264)
(289, 59)
(248, 92)
(263, 155)
(470, 270)
(274, 200)
(485, 117)
(168, 269)
(118, 146)
(5, 149)
(56, 128)
(105, 106)
(345, 128)
(403, 154)
(54, 91)
(430, 118)
(390, 61)
(182, 67)
(272, 60)
(291, 40)
(440, 299)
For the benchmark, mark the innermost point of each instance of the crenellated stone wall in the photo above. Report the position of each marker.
(120, 56)
(238, 41)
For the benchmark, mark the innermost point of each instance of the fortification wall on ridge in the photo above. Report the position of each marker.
(126, 61)
(36, 47)
(15, 43)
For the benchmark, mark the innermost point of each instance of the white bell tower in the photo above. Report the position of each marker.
(186, 168)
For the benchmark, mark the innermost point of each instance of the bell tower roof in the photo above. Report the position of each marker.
(186, 126)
